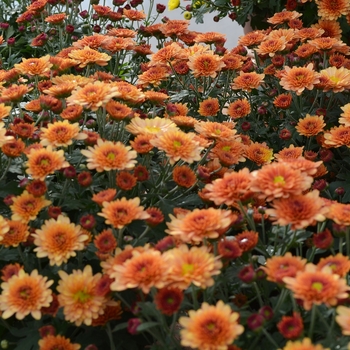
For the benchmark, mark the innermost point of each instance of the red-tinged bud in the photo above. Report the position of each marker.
(246, 126)
(85, 179)
(266, 312)
(285, 134)
(255, 322)
(320, 185)
(160, 8)
(47, 330)
(247, 274)
(133, 323)
(326, 155)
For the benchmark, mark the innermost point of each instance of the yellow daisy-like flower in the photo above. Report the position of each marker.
(25, 294)
(26, 207)
(149, 126)
(108, 155)
(78, 297)
(61, 134)
(44, 161)
(211, 327)
(59, 240)
(173, 4)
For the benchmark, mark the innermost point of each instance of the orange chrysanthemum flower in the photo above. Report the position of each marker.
(88, 56)
(343, 319)
(122, 212)
(282, 17)
(299, 211)
(25, 294)
(4, 228)
(56, 18)
(16, 234)
(153, 76)
(108, 155)
(78, 296)
(278, 267)
(305, 50)
(233, 187)
(178, 145)
(251, 39)
(337, 79)
(196, 265)
(118, 111)
(339, 213)
(93, 96)
(174, 27)
(283, 101)
(44, 161)
(229, 152)
(271, 45)
(332, 10)
(200, 224)
(247, 81)
(216, 131)
(238, 109)
(114, 45)
(57, 342)
(232, 61)
(61, 134)
(308, 33)
(168, 53)
(168, 300)
(126, 181)
(247, 240)
(205, 65)
(289, 153)
(13, 148)
(339, 264)
(4, 111)
(209, 107)
(315, 287)
(72, 113)
(104, 196)
(326, 44)
(338, 136)
(330, 28)
(23, 130)
(59, 240)
(134, 15)
(141, 143)
(299, 78)
(278, 180)
(305, 344)
(128, 92)
(184, 176)
(210, 38)
(310, 125)
(144, 270)
(3, 137)
(210, 327)
(149, 126)
(345, 116)
(14, 93)
(259, 153)
(122, 32)
(34, 66)
(26, 207)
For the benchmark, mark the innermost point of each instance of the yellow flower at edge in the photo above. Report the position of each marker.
(173, 4)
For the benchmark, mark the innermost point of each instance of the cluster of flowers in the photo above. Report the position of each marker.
(193, 195)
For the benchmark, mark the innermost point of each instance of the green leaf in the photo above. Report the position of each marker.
(147, 325)
(120, 326)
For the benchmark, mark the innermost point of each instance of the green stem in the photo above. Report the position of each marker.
(258, 293)
(110, 336)
(194, 297)
(270, 339)
(347, 237)
(313, 320)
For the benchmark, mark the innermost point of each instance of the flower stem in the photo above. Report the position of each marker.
(110, 336)
(261, 303)
(270, 339)
(313, 319)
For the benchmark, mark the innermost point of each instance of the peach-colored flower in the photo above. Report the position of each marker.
(229, 152)
(4, 111)
(178, 145)
(289, 153)
(284, 16)
(210, 327)
(330, 10)
(3, 138)
(299, 78)
(310, 125)
(337, 79)
(58, 240)
(153, 76)
(209, 107)
(14, 93)
(338, 136)
(108, 155)
(88, 56)
(305, 50)
(215, 131)
(128, 92)
(34, 66)
(271, 45)
(205, 65)
(326, 44)
(44, 161)
(345, 116)
(195, 265)
(343, 319)
(25, 294)
(315, 287)
(252, 39)
(247, 81)
(78, 296)
(134, 15)
(104, 196)
(305, 344)
(330, 28)
(259, 153)
(61, 134)
(299, 211)
(283, 101)
(210, 38)
(56, 18)
(238, 109)
(339, 213)
(200, 224)
(51, 341)
(168, 53)
(122, 212)
(16, 234)
(339, 264)
(144, 270)
(184, 176)
(174, 27)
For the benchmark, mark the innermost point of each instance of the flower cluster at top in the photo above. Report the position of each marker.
(159, 190)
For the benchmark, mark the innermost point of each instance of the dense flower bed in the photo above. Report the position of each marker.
(172, 195)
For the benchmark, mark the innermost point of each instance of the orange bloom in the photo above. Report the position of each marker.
(305, 344)
(247, 81)
(57, 342)
(105, 242)
(196, 265)
(72, 113)
(92, 41)
(122, 32)
(283, 101)
(330, 28)
(61, 134)
(108, 155)
(251, 39)
(128, 92)
(309, 33)
(93, 96)
(78, 297)
(199, 224)
(56, 18)
(62, 90)
(58, 240)
(310, 125)
(343, 319)
(141, 143)
(118, 111)
(278, 180)
(233, 187)
(184, 121)
(4, 227)
(134, 15)
(44, 161)
(178, 145)
(238, 109)
(304, 165)
(259, 153)
(337, 79)
(289, 153)
(174, 27)
(155, 97)
(13, 148)
(214, 130)
(299, 211)
(34, 66)
(345, 117)
(111, 311)
(315, 287)
(326, 44)
(229, 152)
(126, 181)
(232, 61)
(23, 130)
(209, 107)
(338, 136)
(144, 270)
(88, 56)
(26, 207)
(284, 16)
(168, 300)
(305, 50)
(205, 65)
(330, 10)
(3, 138)
(17, 233)
(9, 270)
(104, 196)
(299, 78)
(25, 294)
(278, 267)
(149, 126)
(339, 213)
(4, 111)
(339, 264)
(76, 79)
(210, 38)
(210, 327)
(14, 93)
(168, 53)
(122, 212)
(184, 176)
(271, 45)
(247, 240)
(153, 76)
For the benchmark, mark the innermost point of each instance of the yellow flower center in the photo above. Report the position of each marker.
(211, 326)
(153, 129)
(82, 296)
(177, 144)
(25, 293)
(226, 148)
(44, 162)
(110, 156)
(217, 132)
(318, 286)
(279, 180)
(187, 268)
